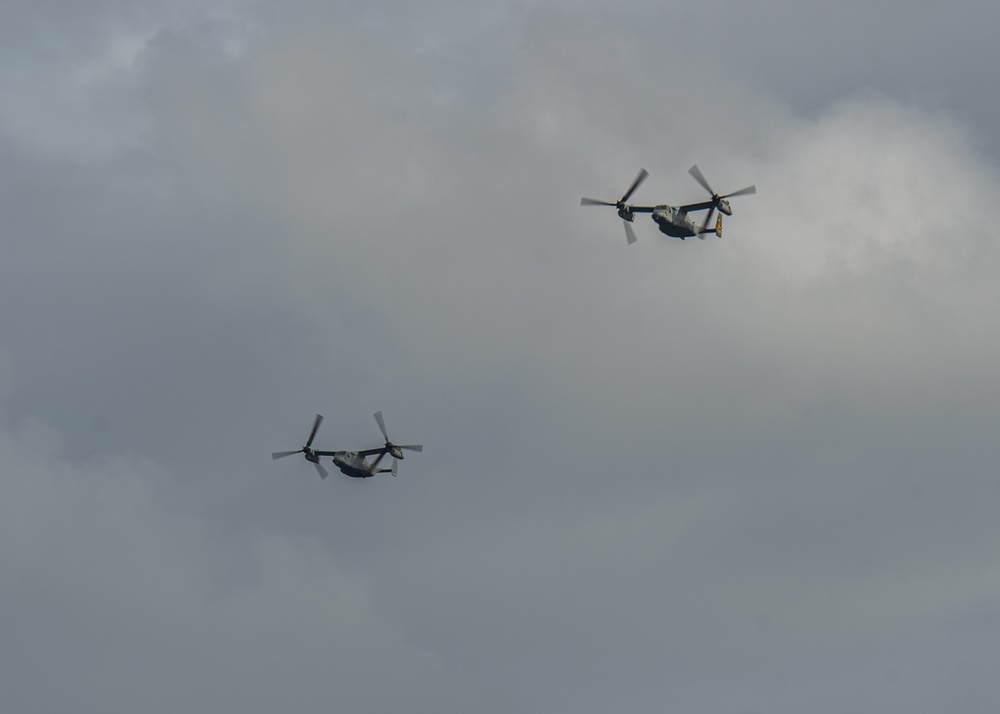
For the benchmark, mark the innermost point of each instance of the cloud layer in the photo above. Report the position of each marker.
(746, 475)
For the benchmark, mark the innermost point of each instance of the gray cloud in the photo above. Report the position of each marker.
(747, 475)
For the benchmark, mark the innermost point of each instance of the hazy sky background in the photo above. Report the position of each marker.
(755, 475)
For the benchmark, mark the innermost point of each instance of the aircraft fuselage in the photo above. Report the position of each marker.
(353, 465)
(674, 222)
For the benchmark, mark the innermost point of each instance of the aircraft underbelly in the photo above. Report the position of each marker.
(668, 227)
(354, 473)
(351, 471)
(674, 231)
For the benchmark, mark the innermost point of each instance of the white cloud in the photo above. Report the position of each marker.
(873, 186)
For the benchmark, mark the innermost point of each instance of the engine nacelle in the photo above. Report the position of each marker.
(725, 208)
(626, 213)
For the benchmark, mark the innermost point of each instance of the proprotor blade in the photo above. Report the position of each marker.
(742, 192)
(708, 219)
(595, 202)
(412, 447)
(700, 178)
(629, 233)
(282, 454)
(381, 425)
(312, 434)
(635, 184)
(323, 473)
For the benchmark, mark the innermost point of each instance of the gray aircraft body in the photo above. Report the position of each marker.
(674, 221)
(352, 463)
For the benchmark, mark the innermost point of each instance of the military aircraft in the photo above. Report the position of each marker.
(674, 220)
(352, 463)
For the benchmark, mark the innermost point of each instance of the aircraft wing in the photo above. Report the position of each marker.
(701, 206)
(372, 452)
(329, 453)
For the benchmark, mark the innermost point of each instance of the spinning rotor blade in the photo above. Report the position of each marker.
(700, 178)
(708, 219)
(629, 233)
(390, 448)
(306, 450)
(741, 192)
(323, 473)
(624, 210)
(312, 434)
(717, 200)
(640, 177)
(381, 425)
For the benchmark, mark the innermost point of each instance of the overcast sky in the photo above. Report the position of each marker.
(755, 475)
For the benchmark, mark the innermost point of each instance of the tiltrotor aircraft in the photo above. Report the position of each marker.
(673, 220)
(352, 463)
